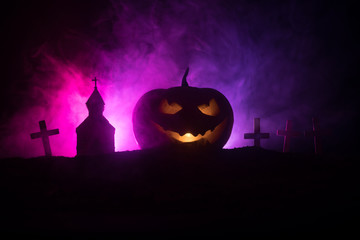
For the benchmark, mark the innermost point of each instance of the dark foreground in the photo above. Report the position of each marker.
(247, 189)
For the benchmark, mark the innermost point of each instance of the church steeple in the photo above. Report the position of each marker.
(95, 103)
(95, 81)
(95, 135)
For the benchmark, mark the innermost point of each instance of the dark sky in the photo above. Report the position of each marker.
(307, 52)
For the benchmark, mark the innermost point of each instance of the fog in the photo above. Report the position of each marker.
(284, 61)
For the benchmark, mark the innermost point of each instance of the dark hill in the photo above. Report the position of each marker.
(245, 189)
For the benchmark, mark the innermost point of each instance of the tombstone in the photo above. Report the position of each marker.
(288, 134)
(316, 133)
(95, 135)
(44, 134)
(257, 135)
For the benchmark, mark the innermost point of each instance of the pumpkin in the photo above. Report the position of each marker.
(183, 116)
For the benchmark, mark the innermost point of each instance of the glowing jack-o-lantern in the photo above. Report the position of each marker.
(183, 116)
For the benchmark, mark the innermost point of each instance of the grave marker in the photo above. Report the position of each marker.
(257, 135)
(288, 134)
(316, 133)
(44, 134)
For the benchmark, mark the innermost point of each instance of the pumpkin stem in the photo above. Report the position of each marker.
(184, 82)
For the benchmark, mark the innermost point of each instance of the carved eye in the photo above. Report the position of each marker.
(211, 109)
(167, 108)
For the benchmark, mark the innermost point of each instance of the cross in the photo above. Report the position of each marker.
(44, 134)
(257, 135)
(288, 133)
(95, 80)
(316, 132)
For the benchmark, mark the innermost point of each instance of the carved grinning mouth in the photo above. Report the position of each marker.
(210, 136)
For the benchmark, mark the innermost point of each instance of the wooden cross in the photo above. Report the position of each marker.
(257, 135)
(95, 80)
(316, 133)
(288, 134)
(44, 134)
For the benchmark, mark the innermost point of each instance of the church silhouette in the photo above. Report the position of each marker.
(95, 135)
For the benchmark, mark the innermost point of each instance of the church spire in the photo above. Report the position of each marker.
(95, 80)
(95, 135)
(95, 103)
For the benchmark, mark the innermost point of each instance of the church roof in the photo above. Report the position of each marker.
(95, 98)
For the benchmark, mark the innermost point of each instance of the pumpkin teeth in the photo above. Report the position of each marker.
(187, 134)
(198, 135)
(210, 135)
(208, 132)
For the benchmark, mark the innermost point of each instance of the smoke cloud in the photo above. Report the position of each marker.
(273, 61)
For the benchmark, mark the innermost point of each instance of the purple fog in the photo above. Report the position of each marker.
(289, 60)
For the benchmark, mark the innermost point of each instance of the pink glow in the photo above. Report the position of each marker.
(136, 47)
(146, 55)
(69, 89)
